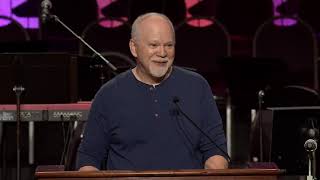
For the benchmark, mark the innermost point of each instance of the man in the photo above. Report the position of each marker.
(134, 122)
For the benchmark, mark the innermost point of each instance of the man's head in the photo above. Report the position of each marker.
(153, 45)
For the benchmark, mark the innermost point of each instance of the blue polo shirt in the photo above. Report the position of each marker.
(135, 126)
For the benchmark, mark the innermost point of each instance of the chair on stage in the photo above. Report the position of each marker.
(72, 147)
(14, 31)
(110, 37)
(13, 36)
(201, 42)
(293, 41)
(70, 157)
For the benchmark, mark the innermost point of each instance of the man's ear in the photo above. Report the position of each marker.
(133, 47)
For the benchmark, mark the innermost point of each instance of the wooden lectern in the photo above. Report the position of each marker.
(228, 174)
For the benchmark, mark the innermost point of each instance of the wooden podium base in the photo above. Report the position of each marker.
(49, 173)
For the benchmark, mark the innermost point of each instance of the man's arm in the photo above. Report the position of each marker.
(216, 162)
(215, 152)
(91, 151)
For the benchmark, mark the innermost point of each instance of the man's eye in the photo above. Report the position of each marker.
(153, 45)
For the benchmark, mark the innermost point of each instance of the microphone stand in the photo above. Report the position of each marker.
(260, 95)
(18, 90)
(311, 166)
(56, 19)
(311, 146)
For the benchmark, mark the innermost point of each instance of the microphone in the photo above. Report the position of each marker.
(46, 5)
(310, 145)
(261, 94)
(260, 99)
(176, 101)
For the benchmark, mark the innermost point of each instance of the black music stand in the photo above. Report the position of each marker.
(48, 77)
(245, 76)
(23, 46)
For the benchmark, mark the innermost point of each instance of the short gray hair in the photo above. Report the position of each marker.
(134, 28)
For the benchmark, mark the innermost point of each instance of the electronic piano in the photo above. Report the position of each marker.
(46, 112)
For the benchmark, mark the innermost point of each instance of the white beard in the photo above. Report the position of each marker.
(159, 72)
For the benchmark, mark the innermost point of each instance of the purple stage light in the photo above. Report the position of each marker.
(282, 21)
(108, 24)
(6, 7)
(195, 23)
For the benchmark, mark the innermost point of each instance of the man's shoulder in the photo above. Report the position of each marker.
(109, 93)
(116, 82)
(188, 75)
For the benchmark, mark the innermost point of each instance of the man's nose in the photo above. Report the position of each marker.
(162, 52)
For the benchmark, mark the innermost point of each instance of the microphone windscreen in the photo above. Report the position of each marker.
(310, 145)
(175, 99)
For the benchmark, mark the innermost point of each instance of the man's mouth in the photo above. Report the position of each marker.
(160, 61)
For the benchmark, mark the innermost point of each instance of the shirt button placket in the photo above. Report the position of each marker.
(155, 102)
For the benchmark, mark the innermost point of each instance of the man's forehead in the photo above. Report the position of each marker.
(154, 21)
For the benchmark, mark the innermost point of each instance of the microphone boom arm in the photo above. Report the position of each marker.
(175, 101)
(56, 18)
